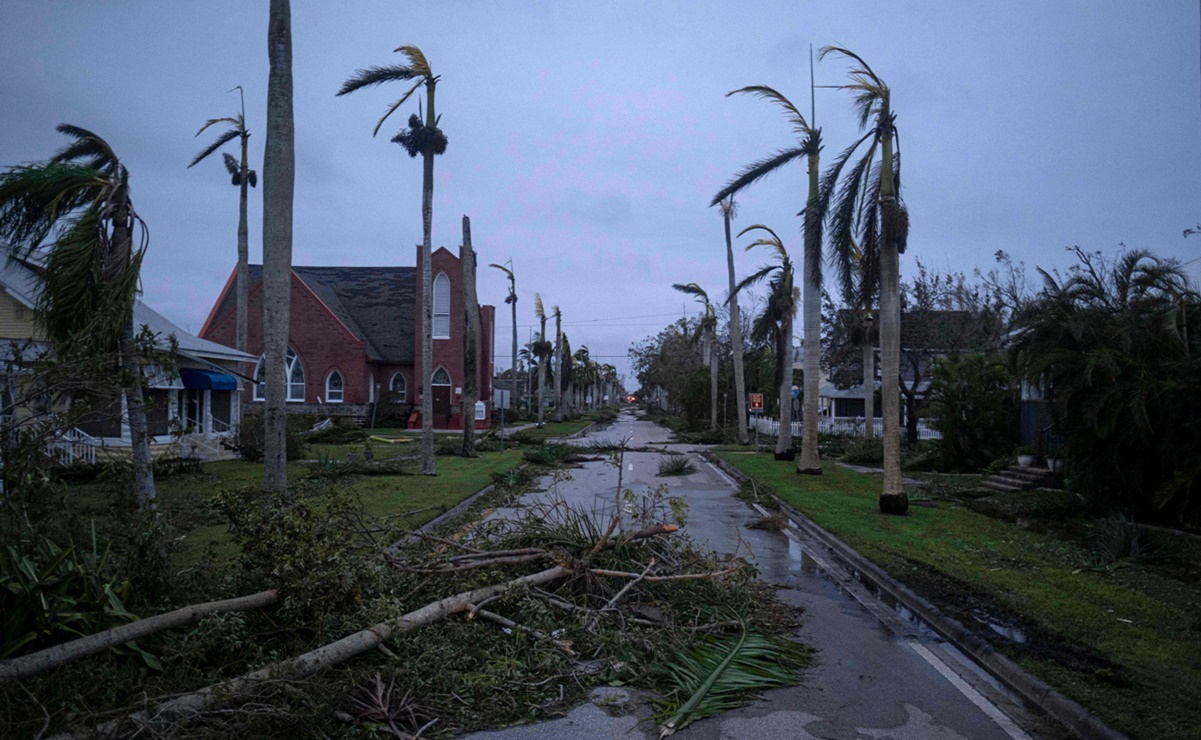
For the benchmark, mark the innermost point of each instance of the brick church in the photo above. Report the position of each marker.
(355, 339)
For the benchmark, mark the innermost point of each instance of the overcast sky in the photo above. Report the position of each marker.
(587, 139)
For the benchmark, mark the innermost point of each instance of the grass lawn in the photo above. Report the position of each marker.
(554, 429)
(1126, 643)
(412, 499)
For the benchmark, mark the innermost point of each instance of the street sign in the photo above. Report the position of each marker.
(756, 403)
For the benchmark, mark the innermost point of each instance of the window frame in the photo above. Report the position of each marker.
(403, 393)
(445, 297)
(340, 390)
(292, 363)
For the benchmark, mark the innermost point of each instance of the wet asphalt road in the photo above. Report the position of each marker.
(877, 675)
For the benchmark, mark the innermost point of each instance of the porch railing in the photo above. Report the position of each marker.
(74, 446)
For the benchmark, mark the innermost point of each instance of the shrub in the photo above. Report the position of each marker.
(251, 436)
(974, 409)
(50, 594)
(308, 546)
(548, 455)
(675, 465)
(865, 452)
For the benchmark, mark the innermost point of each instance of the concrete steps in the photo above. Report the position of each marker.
(1013, 479)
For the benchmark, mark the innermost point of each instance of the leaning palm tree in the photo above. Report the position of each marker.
(242, 176)
(426, 139)
(279, 184)
(728, 210)
(511, 299)
(541, 353)
(868, 204)
(776, 323)
(706, 332)
(808, 147)
(73, 215)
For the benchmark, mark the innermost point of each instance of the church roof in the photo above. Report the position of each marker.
(377, 304)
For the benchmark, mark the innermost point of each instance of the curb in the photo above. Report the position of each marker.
(444, 517)
(582, 433)
(1067, 712)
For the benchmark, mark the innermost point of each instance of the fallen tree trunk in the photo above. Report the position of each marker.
(58, 655)
(325, 656)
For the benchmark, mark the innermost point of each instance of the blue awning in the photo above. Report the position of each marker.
(207, 380)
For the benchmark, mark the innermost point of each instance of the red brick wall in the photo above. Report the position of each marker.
(448, 353)
(321, 341)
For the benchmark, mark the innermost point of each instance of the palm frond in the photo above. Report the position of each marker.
(86, 146)
(417, 60)
(35, 198)
(753, 278)
(221, 141)
(756, 171)
(694, 290)
(795, 117)
(392, 108)
(376, 76)
(232, 167)
(235, 122)
(720, 672)
(538, 307)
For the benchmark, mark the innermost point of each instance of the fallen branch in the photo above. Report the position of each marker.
(509, 560)
(564, 645)
(58, 655)
(682, 577)
(326, 656)
(592, 622)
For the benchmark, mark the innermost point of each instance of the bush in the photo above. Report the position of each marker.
(251, 436)
(49, 594)
(974, 409)
(308, 546)
(865, 452)
(391, 412)
(675, 465)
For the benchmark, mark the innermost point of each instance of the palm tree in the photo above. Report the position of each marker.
(869, 203)
(242, 176)
(706, 332)
(511, 299)
(567, 367)
(427, 140)
(74, 215)
(279, 181)
(809, 147)
(557, 368)
(541, 352)
(728, 210)
(776, 323)
(471, 328)
(584, 367)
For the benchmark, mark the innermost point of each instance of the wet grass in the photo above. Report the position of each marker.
(410, 499)
(1124, 642)
(553, 429)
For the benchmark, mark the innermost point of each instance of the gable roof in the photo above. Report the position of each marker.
(20, 280)
(377, 304)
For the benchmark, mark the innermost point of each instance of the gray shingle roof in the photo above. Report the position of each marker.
(377, 304)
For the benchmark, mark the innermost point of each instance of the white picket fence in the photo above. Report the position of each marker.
(845, 427)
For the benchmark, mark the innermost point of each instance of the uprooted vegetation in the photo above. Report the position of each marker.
(508, 621)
